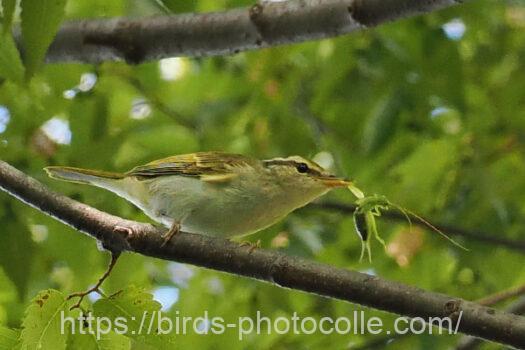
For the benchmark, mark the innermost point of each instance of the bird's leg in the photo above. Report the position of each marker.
(95, 288)
(252, 246)
(174, 230)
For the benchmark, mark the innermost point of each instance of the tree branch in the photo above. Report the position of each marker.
(472, 343)
(502, 296)
(270, 266)
(482, 237)
(264, 24)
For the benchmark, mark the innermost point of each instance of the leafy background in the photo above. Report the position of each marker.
(428, 111)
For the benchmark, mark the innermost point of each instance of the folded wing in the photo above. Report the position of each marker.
(212, 166)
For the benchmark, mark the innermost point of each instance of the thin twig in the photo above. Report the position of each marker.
(501, 296)
(96, 287)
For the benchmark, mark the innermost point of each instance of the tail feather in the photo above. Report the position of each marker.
(118, 183)
(83, 176)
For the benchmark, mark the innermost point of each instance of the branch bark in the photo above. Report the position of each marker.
(270, 266)
(472, 343)
(262, 25)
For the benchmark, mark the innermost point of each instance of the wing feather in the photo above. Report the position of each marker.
(215, 166)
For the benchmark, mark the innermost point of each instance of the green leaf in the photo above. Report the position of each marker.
(8, 291)
(8, 9)
(8, 338)
(140, 312)
(155, 142)
(42, 322)
(380, 125)
(109, 341)
(420, 176)
(40, 22)
(113, 341)
(17, 254)
(176, 6)
(10, 64)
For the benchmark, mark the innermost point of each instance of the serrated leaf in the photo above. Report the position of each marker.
(139, 312)
(113, 341)
(8, 10)
(8, 338)
(40, 22)
(41, 327)
(10, 63)
(109, 341)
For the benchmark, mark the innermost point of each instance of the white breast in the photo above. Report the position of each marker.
(219, 209)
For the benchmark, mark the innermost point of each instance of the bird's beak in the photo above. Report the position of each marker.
(335, 182)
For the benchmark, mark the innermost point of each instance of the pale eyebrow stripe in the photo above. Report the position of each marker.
(280, 162)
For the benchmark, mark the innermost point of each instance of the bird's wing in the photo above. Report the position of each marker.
(208, 166)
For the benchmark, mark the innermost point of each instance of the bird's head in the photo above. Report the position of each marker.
(302, 175)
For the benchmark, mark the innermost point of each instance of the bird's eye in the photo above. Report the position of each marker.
(302, 167)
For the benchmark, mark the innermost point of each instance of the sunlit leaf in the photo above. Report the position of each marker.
(8, 338)
(42, 327)
(136, 310)
(8, 10)
(10, 64)
(40, 22)
(104, 341)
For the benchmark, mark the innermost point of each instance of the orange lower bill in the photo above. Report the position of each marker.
(335, 182)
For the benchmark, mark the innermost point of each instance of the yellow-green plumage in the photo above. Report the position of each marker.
(213, 193)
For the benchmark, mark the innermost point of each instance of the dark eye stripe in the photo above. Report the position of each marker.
(291, 163)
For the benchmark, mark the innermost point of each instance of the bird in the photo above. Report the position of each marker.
(213, 193)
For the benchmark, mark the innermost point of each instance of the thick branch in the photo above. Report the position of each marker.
(263, 25)
(482, 237)
(472, 343)
(269, 266)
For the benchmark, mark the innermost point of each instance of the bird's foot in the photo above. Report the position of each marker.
(251, 246)
(173, 231)
(96, 287)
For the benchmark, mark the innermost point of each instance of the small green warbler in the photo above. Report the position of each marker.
(213, 193)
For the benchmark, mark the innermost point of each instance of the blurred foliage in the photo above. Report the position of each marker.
(428, 111)
(40, 20)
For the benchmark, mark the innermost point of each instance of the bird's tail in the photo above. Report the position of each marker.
(118, 183)
(83, 176)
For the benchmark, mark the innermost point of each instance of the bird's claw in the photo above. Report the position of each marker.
(173, 231)
(252, 246)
